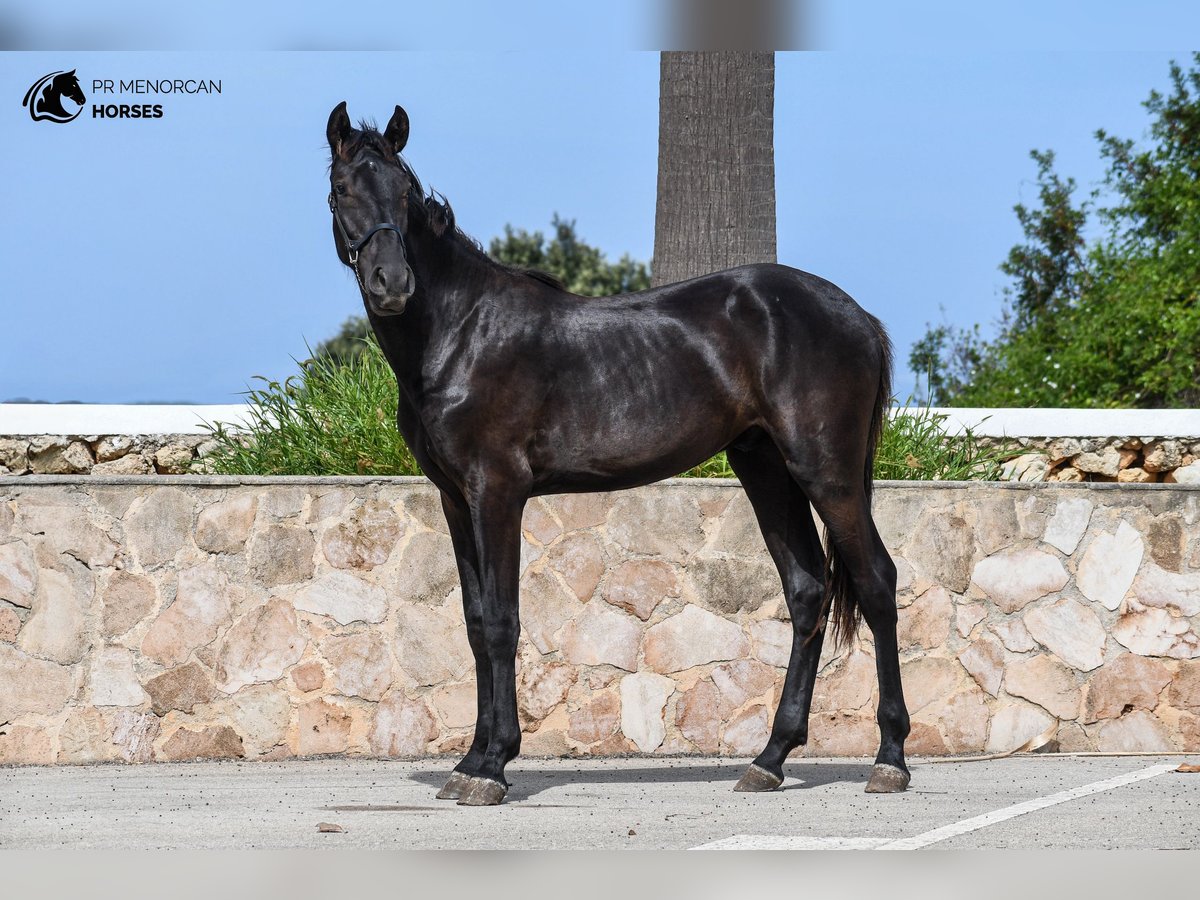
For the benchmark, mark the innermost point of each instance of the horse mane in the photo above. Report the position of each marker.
(439, 215)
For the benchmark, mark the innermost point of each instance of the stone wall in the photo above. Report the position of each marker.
(174, 618)
(1125, 460)
(103, 454)
(1145, 460)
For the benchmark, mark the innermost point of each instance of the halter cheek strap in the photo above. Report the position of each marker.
(352, 247)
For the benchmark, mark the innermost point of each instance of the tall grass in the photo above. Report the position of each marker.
(329, 419)
(914, 447)
(338, 418)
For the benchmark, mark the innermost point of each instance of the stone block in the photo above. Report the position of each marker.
(747, 733)
(1162, 456)
(431, 647)
(112, 679)
(1070, 631)
(984, 660)
(456, 704)
(643, 696)
(201, 609)
(210, 742)
(367, 538)
(174, 458)
(541, 687)
(112, 447)
(32, 685)
(733, 584)
(1135, 732)
(1013, 580)
(361, 662)
(1068, 524)
(343, 597)
(157, 526)
(428, 570)
(402, 727)
(127, 600)
(260, 646)
(1109, 565)
(772, 642)
(943, 549)
(324, 727)
(1154, 632)
(18, 574)
(1045, 681)
(693, 637)
(1125, 683)
(57, 627)
(546, 606)
(180, 688)
(225, 527)
(657, 522)
(925, 623)
(601, 635)
(130, 464)
(639, 585)
(282, 554)
(578, 559)
(14, 455)
(598, 719)
(309, 676)
(1016, 725)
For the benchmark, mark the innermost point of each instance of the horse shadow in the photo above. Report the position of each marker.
(531, 779)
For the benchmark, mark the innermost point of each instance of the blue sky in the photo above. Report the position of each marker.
(173, 259)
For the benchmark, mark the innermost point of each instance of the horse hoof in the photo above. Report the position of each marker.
(482, 792)
(757, 780)
(455, 787)
(887, 779)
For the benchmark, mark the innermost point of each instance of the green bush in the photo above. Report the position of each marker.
(337, 417)
(913, 447)
(332, 418)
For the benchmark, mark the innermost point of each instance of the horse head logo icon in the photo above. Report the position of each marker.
(45, 98)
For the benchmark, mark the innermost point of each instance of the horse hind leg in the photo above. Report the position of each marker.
(791, 537)
(870, 583)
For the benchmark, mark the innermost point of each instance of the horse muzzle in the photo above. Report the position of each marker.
(388, 290)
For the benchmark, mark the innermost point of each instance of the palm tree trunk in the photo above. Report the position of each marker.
(716, 162)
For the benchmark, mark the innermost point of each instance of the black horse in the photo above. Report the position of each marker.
(45, 98)
(512, 387)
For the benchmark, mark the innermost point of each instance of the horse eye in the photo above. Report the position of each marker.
(340, 188)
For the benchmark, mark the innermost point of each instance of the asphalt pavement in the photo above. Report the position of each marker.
(1026, 802)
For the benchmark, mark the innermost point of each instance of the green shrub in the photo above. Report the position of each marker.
(913, 447)
(337, 417)
(332, 418)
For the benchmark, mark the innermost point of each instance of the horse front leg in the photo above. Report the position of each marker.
(462, 534)
(496, 523)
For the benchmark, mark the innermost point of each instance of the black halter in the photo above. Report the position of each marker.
(352, 247)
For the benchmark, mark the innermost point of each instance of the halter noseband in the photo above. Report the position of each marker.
(352, 247)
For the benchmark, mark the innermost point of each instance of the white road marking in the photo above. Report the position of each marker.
(784, 842)
(788, 842)
(1019, 809)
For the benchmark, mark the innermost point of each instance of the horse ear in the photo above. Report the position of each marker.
(72, 73)
(396, 132)
(339, 128)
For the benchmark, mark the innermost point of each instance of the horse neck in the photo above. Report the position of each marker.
(451, 280)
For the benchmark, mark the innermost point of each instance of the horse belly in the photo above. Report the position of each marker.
(602, 447)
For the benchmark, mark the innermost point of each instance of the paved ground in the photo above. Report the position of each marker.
(1127, 802)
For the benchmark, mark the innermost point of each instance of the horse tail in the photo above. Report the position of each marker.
(843, 612)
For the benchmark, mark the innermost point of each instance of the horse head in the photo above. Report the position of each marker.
(368, 196)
